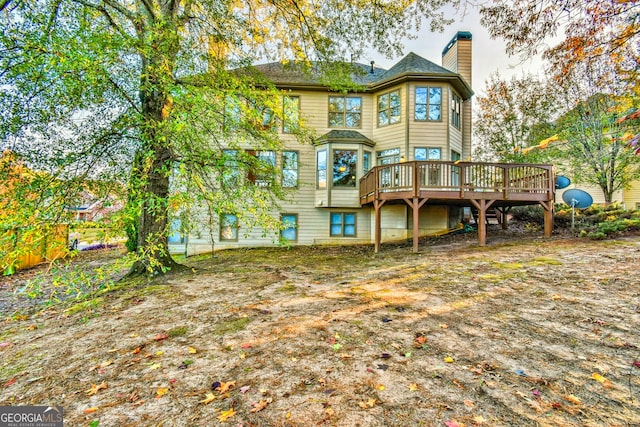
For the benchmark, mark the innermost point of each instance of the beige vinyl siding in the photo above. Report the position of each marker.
(465, 59)
(393, 223)
(594, 191)
(632, 196)
(450, 59)
(313, 222)
(322, 233)
(428, 133)
(390, 136)
(314, 109)
(466, 129)
(432, 219)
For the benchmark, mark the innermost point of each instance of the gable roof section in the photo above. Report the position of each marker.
(411, 67)
(415, 64)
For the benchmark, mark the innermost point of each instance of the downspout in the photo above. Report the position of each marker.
(406, 126)
(447, 121)
(406, 143)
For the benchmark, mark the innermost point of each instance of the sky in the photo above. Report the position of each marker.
(488, 55)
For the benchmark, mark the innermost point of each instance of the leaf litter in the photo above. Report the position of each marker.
(471, 342)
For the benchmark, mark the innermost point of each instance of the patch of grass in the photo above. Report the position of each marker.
(288, 288)
(11, 369)
(545, 260)
(178, 332)
(508, 265)
(88, 305)
(231, 326)
(491, 277)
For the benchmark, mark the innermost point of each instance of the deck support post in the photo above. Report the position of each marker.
(548, 217)
(415, 203)
(504, 211)
(482, 205)
(377, 205)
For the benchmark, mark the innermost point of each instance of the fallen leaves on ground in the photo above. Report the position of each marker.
(161, 336)
(605, 382)
(368, 404)
(225, 415)
(209, 398)
(225, 387)
(259, 406)
(95, 388)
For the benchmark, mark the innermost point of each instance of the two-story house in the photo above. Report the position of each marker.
(416, 111)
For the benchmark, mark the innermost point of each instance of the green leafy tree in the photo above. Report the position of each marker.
(596, 147)
(511, 116)
(581, 30)
(141, 91)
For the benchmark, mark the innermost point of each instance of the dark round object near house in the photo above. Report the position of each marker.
(562, 182)
(577, 198)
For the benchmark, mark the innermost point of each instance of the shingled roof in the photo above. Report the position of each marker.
(338, 135)
(415, 64)
(412, 66)
(296, 74)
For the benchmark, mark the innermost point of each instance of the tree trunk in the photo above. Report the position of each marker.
(153, 246)
(153, 178)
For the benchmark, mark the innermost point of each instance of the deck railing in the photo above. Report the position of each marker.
(461, 180)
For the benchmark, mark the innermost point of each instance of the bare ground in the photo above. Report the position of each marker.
(524, 332)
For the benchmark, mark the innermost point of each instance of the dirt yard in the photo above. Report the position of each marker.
(526, 332)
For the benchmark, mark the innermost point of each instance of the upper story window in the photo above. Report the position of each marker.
(428, 104)
(291, 114)
(455, 110)
(345, 111)
(389, 108)
(289, 169)
(244, 113)
(230, 176)
(262, 170)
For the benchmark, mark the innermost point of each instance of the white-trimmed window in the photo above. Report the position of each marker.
(229, 227)
(389, 108)
(290, 169)
(321, 169)
(345, 112)
(428, 104)
(366, 161)
(263, 170)
(345, 164)
(343, 224)
(291, 114)
(427, 153)
(455, 110)
(230, 174)
(289, 231)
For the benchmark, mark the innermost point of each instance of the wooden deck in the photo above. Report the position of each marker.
(479, 185)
